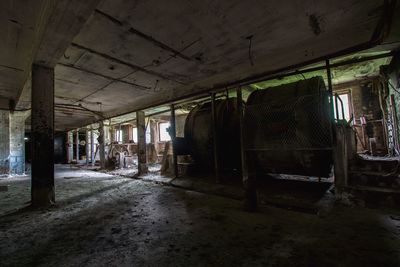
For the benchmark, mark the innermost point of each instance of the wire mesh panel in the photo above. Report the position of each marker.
(297, 124)
(287, 129)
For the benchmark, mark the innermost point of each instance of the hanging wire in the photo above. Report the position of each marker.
(391, 85)
(250, 38)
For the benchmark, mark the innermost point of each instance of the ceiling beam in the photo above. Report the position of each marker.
(174, 52)
(133, 66)
(57, 25)
(142, 87)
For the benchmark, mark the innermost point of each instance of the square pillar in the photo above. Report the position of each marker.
(77, 145)
(112, 134)
(17, 141)
(42, 131)
(249, 179)
(141, 132)
(92, 152)
(70, 146)
(87, 146)
(4, 141)
(101, 140)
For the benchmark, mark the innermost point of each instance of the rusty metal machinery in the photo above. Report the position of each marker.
(120, 155)
(199, 135)
(287, 129)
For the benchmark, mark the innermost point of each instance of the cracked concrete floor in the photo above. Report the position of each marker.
(103, 220)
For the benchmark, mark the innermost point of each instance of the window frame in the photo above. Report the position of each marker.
(159, 131)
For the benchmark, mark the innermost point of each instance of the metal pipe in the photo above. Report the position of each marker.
(336, 107)
(239, 100)
(173, 139)
(330, 92)
(341, 103)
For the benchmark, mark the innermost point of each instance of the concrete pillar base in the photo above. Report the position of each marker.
(43, 197)
(143, 169)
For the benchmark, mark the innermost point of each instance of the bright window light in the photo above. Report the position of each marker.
(164, 135)
(134, 135)
(346, 106)
(118, 135)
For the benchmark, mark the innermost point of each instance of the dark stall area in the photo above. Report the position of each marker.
(200, 133)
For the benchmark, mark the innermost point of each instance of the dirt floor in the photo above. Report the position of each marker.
(106, 220)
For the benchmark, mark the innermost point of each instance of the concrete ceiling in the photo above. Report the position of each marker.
(128, 55)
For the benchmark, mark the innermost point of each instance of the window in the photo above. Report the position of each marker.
(164, 135)
(148, 135)
(346, 107)
(135, 137)
(134, 134)
(118, 135)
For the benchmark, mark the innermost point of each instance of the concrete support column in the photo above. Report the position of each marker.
(87, 146)
(17, 141)
(42, 132)
(70, 146)
(112, 134)
(141, 132)
(77, 145)
(92, 155)
(4, 141)
(101, 140)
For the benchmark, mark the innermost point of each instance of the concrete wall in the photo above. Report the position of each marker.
(17, 142)
(4, 141)
(12, 142)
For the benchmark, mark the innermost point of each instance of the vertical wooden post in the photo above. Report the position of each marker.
(173, 139)
(215, 137)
